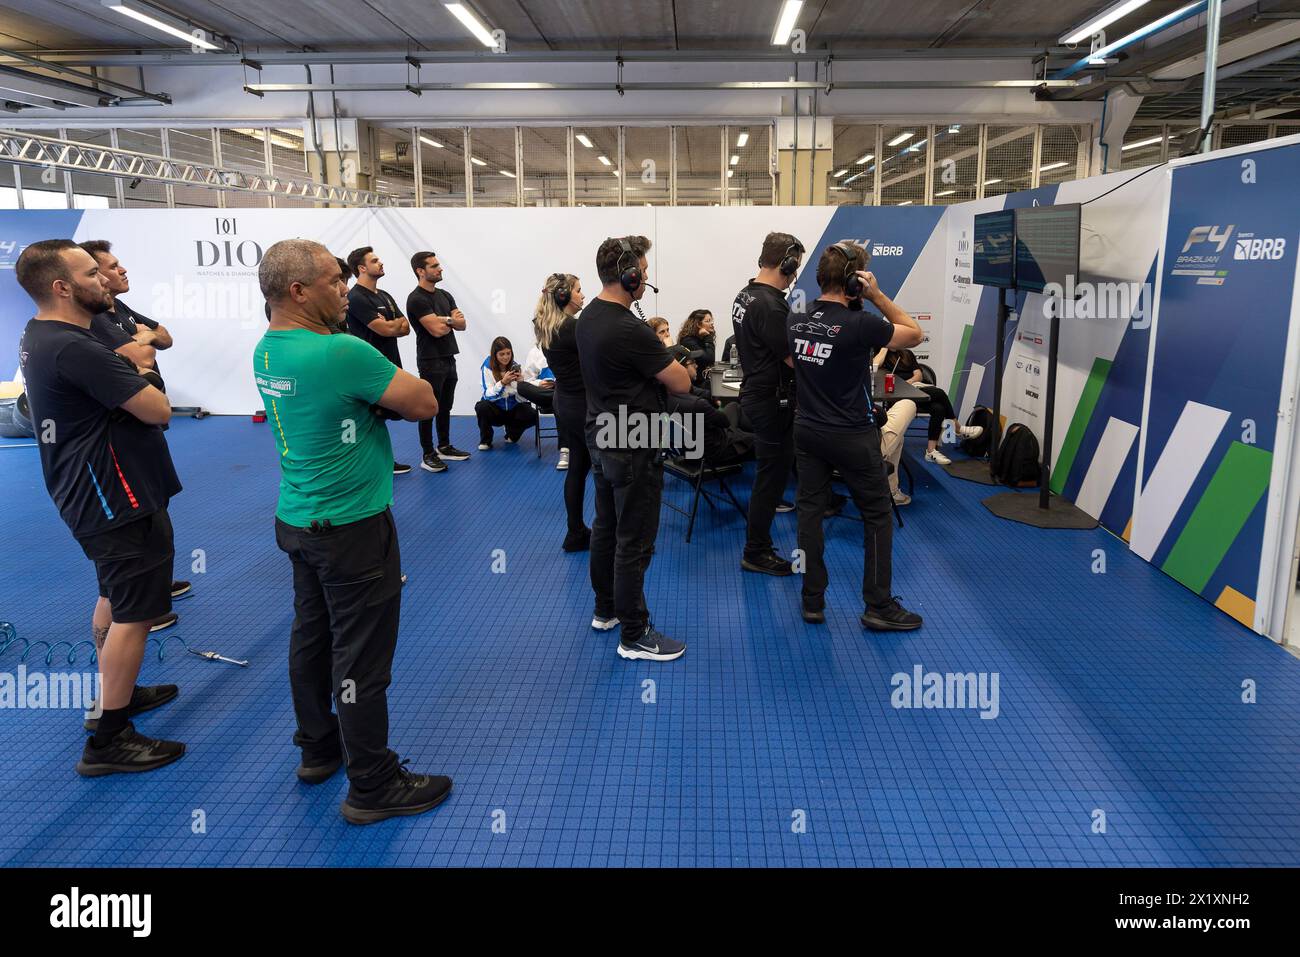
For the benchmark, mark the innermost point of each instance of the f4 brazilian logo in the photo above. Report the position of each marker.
(1209, 234)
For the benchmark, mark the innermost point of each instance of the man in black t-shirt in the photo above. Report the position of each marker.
(625, 369)
(835, 428)
(124, 330)
(758, 317)
(373, 314)
(436, 320)
(109, 472)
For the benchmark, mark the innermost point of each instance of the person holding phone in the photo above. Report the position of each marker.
(500, 405)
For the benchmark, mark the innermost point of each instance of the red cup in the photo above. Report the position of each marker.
(889, 382)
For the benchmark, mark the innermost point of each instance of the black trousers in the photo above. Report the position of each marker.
(543, 399)
(773, 428)
(629, 487)
(939, 407)
(441, 374)
(347, 596)
(517, 420)
(571, 420)
(857, 457)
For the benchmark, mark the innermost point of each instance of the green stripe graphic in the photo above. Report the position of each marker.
(961, 361)
(1233, 492)
(1079, 424)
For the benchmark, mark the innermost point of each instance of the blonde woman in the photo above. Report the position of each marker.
(555, 322)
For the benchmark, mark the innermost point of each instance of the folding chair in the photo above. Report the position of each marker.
(697, 472)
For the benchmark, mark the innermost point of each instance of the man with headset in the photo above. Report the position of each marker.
(835, 427)
(758, 317)
(625, 369)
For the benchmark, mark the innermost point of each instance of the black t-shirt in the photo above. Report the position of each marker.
(103, 466)
(130, 320)
(364, 307)
(706, 345)
(109, 331)
(759, 317)
(421, 303)
(717, 428)
(562, 357)
(833, 346)
(620, 358)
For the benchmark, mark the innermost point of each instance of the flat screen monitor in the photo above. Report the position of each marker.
(1047, 246)
(993, 262)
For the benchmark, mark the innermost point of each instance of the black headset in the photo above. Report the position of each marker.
(853, 287)
(630, 278)
(562, 294)
(790, 263)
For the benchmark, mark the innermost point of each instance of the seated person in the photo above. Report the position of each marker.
(903, 363)
(538, 382)
(660, 326)
(897, 419)
(725, 443)
(500, 405)
(697, 335)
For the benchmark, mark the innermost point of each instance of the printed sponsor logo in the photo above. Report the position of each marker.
(1249, 247)
(277, 387)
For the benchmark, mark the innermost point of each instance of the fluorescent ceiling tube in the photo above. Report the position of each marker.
(582, 138)
(946, 192)
(863, 159)
(990, 182)
(906, 203)
(164, 22)
(901, 138)
(734, 159)
(741, 140)
(505, 172)
(434, 143)
(470, 21)
(1050, 166)
(785, 23)
(1138, 143)
(477, 162)
(840, 173)
(604, 160)
(1102, 20)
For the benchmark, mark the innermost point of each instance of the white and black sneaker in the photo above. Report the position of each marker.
(431, 463)
(180, 588)
(600, 623)
(785, 505)
(166, 621)
(129, 752)
(405, 793)
(563, 464)
(450, 453)
(652, 646)
(400, 468)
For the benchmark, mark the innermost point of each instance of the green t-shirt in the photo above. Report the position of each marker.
(336, 460)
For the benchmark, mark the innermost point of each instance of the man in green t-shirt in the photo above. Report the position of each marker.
(326, 398)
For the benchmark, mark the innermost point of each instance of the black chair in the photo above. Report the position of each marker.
(545, 406)
(697, 472)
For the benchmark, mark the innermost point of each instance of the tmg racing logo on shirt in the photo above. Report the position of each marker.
(809, 351)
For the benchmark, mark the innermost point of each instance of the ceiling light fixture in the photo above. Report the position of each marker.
(470, 21)
(1101, 21)
(785, 22)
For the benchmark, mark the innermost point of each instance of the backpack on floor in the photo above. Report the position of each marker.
(977, 448)
(1016, 461)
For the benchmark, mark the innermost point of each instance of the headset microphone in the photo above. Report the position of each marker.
(651, 286)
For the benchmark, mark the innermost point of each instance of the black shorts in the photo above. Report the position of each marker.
(134, 566)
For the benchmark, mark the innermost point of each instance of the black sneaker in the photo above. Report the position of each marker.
(814, 616)
(318, 773)
(769, 564)
(400, 468)
(143, 698)
(405, 793)
(580, 542)
(451, 453)
(891, 617)
(166, 621)
(652, 646)
(431, 463)
(784, 506)
(180, 588)
(127, 753)
(837, 504)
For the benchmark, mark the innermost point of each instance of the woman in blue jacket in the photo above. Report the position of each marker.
(501, 405)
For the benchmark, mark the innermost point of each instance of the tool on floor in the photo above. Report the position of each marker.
(213, 656)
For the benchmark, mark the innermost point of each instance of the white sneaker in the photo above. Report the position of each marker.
(484, 446)
(563, 464)
(603, 624)
(901, 497)
(970, 431)
(937, 457)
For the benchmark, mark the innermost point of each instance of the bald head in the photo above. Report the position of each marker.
(302, 276)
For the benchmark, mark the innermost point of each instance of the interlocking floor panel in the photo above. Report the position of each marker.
(771, 743)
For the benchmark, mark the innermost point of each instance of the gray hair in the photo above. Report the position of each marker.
(287, 262)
